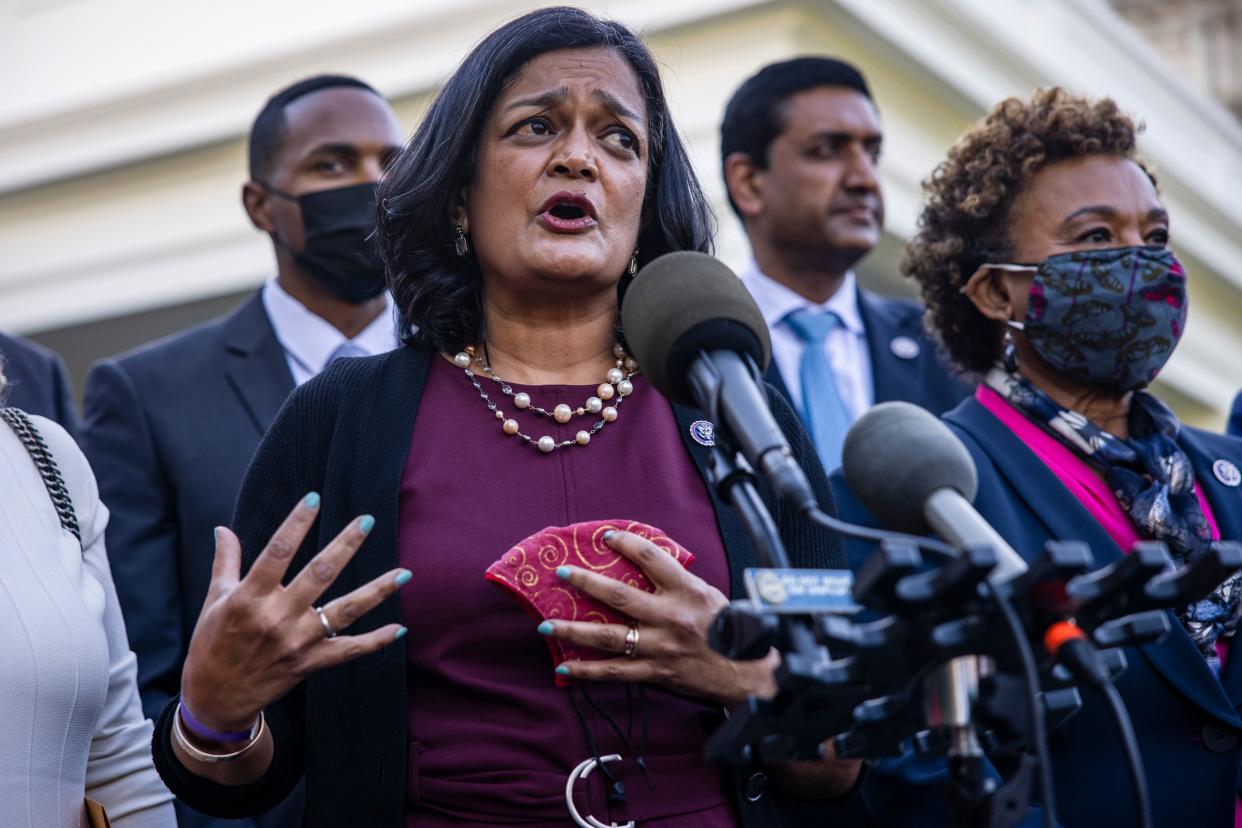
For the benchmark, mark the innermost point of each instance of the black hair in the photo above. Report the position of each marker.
(268, 130)
(439, 293)
(753, 117)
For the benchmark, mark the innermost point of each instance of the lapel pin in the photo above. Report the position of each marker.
(1227, 472)
(704, 433)
(903, 347)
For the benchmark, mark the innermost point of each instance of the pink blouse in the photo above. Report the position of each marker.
(1074, 473)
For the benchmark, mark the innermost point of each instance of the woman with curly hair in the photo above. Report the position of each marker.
(1043, 257)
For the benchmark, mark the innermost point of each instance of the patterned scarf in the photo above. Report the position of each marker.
(1153, 481)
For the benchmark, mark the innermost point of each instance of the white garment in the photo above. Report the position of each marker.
(71, 724)
(310, 340)
(846, 344)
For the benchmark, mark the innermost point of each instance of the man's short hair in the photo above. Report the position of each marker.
(752, 120)
(267, 133)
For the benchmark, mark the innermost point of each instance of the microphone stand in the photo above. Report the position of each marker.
(802, 656)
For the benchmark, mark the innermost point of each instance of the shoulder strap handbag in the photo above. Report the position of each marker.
(36, 447)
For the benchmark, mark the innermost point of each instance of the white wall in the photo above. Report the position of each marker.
(122, 130)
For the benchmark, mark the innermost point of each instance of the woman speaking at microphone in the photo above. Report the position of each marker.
(544, 175)
(1043, 256)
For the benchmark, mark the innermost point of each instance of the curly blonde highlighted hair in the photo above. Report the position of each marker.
(965, 222)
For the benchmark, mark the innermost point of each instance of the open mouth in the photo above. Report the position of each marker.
(568, 212)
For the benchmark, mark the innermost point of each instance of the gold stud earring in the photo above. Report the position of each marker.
(461, 242)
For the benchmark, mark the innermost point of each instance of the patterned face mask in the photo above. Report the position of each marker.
(1109, 319)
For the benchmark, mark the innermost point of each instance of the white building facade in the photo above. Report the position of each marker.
(122, 135)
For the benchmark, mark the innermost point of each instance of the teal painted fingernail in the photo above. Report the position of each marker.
(608, 535)
(403, 577)
(400, 633)
(562, 670)
(215, 533)
(366, 524)
(311, 501)
(562, 572)
(545, 628)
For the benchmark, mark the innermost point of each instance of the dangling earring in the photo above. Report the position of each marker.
(633, 268)
(461, 242)
(1009, 352)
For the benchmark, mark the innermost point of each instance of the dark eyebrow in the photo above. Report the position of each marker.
(542, 100)
(846, 136)
(334, 149)
(1101, 210)
(1106, 212)
(614, 103)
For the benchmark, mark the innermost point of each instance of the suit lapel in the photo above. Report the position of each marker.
(773, 378)
(1036, 484)
(1176, 658)
(738, 551)
(256, 364)
(1226, 505)
(892, 378)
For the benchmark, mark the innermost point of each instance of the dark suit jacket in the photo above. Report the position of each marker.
(37, 382)
(1235, 417)
(1188, 724)
(170, 429)
(905, 363)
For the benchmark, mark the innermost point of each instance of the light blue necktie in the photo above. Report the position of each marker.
(346, 349)
(823, 410)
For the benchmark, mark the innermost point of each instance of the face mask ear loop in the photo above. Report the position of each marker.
(275, 191)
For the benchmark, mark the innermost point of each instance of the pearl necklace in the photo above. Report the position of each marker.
(617, 383)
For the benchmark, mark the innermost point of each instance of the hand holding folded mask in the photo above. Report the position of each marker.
(618, 604)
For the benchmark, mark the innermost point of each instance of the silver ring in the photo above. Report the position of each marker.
(631, 642)
(327, 625)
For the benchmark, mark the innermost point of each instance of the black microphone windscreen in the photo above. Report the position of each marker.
(682, 304)
(897, 455)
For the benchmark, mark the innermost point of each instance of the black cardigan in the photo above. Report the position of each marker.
(346, 434)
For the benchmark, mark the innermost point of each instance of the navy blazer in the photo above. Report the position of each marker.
(905, 362)
(1235, 417)
(1187, 722)
(37, 381)
(170, 430)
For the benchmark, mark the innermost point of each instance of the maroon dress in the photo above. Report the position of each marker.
(492, 738)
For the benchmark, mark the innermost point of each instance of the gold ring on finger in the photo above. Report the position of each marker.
(327, 625)
(631, 642)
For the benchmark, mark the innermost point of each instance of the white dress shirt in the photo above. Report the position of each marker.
(310, 340)
(846, 344)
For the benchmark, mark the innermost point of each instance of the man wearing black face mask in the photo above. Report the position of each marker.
(171, 427)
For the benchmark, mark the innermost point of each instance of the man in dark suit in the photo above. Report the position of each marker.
(1235, 417)
(36, 381)
(799, 144)
(171, 427)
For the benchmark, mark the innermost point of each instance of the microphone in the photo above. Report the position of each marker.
(703, 342)
(914, 474)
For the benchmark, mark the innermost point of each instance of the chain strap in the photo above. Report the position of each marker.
(37, 448)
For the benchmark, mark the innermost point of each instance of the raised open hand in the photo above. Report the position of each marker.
(256, 638)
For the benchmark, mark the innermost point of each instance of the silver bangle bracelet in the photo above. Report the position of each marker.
(199, 755)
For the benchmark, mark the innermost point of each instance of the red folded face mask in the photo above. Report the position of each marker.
(529, 571)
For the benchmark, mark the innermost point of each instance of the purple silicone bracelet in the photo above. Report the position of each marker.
(204, 732)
